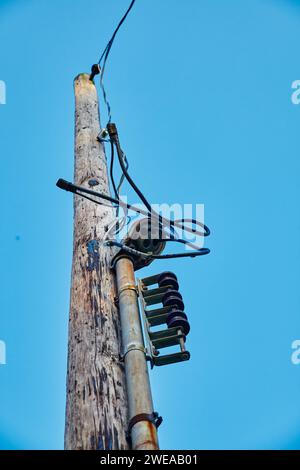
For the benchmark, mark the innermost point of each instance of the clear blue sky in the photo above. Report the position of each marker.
(201, 94)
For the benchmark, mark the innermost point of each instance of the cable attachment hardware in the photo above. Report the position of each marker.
(95, 70)
(170, 313)
(103, 135)
(153, 418)
(112, 130)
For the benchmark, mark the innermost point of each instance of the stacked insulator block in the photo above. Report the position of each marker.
(172, 298)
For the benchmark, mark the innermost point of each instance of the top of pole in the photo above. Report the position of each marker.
(84, 86)
(84, 80)
(82, 76)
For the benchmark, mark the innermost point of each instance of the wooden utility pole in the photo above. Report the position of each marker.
(97, 410)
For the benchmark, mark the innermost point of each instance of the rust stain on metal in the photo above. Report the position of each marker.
(153, 433)
(149, 443)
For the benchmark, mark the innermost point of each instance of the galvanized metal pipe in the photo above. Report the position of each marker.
(143, 433)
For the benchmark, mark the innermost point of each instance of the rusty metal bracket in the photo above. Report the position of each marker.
(153, 418)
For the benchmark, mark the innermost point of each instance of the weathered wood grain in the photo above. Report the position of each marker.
(96, 411)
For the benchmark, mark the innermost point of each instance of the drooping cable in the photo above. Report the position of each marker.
(115, 140)
(111, 169)
(128, 249)
(110, 42)
(83, 192)
(116, 201)
(180, 223)
(104, 57)
(120, 221)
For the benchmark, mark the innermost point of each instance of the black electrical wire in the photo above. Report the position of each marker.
(200, 252)
(123, 176)
(111, 170)
(104, 57)
(110, 42)
(121, 155)
(116, 201)
(80, 191)
(116, 189)
(115, 140)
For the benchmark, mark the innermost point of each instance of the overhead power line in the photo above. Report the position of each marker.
(101, 64)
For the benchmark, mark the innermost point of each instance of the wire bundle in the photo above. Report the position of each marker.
(167, 227)
(163, 223)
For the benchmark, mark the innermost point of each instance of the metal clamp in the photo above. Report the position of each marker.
(128, 287)
(134, 347)
(118, 256)
(153, 418)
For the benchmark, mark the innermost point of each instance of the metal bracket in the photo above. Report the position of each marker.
(164, 338)
(119, 255)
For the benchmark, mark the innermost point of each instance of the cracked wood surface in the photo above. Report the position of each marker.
(96, 411)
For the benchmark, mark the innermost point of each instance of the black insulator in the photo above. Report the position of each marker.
(173, 298)
(166, 274)
(169, 281)
(172, 292)
(95, 71)
(180, 323)
(176, 313)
